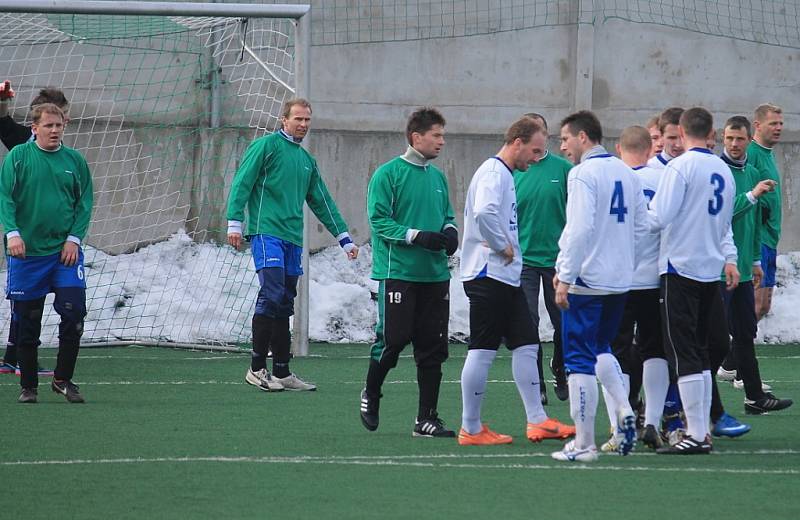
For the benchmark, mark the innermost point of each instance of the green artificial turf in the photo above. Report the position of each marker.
(178, 434)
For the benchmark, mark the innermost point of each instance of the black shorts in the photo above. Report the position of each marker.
(642, 317)
(416, 313)
(687, 310)
(498, 313)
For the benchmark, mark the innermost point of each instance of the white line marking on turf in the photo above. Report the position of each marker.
(407, 461)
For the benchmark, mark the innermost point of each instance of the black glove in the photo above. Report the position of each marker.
(452, 240)
(431, 240)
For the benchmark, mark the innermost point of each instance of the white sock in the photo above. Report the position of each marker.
(707, 400)
(473, 386)
(655, 380)
(583, 407)
(611, 405)
(692, 389)
(610, 375)
(526, 376)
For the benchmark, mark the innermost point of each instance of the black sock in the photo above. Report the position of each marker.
(376, 374)
(429, 380)
(281, 348)
(262, 331)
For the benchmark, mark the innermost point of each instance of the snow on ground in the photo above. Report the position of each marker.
(181, 291)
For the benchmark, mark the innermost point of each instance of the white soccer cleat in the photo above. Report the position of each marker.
(613, 443)
(571, 454)
(292, 382)
(726, 375)
(263, 380)
(739, 385)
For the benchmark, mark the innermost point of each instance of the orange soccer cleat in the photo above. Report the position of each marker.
(485, 437)
(549, 429)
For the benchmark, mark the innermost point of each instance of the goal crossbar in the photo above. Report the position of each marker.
(295, 11)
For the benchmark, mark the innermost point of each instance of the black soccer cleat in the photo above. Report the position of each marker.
(651, 438)
(768, 403)
(688, 446)
(559, 383)
(431, 427)
(369, 410)
(28, 396)
(68, 389)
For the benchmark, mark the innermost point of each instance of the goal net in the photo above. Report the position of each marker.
(162, 107)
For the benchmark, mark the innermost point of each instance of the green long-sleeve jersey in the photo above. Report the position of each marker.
(769, 203)
(403, 196)
(275, 177)
(46, 196)
(542, 209)
(746, 223)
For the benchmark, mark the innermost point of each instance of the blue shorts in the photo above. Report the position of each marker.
(768, 264)
(269, 251)
(587, 329)
(34, 277)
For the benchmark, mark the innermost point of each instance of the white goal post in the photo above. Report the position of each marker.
(164, 97)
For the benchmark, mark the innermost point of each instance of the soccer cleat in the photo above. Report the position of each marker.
(687, 446)
(651, 438)
(612, 444)
(739, 385)
(292, 382)
(729, 426)
(431, 427)
(726, 375)
(626, 427)
(676, 436)
(7, 368)
(369, 410)
(768, 403)
(28, 395)
(263, 380)
(485, 437)
(571, 454)
(68, 389)
(549, 429)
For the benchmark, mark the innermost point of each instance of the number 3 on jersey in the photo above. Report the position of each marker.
(618, 207)
(715, 204)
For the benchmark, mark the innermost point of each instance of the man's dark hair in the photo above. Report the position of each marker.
(422, 120)
(538, 117)
(50, 95)
(697, 122)
(584, 121)
(737, 123)
(670, 116)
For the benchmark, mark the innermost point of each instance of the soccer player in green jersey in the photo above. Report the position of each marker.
(542, 214)
(275, 178)
(768, 125)
(13, 134)
(413, 232)
(747, 235)
(45, 208)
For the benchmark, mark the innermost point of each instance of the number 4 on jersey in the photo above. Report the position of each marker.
(618, 207)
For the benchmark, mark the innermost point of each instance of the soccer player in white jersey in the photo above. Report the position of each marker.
(655, 136)
(693, 208)
(672, 145)
(606, 222)
(642, 361)
(491, 267)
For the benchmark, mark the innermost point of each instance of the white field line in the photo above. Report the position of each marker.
(423, 461)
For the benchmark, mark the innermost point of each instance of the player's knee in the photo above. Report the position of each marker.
(70, 304)
(28, 322)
